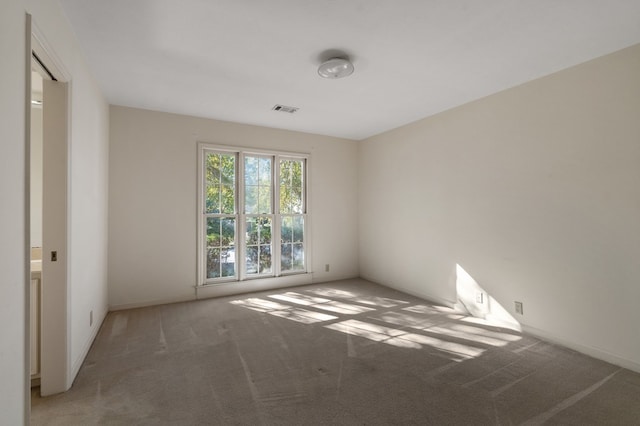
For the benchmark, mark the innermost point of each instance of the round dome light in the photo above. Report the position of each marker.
(335, 68)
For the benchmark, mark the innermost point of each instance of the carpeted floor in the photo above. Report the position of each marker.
(344, 353)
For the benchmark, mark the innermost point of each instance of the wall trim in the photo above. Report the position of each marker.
(237, 288)
(598, 353)
(427, 297)
(157, 302)
(249, 286)
(26, 250)
(331, 278)
(231, 289)
(47, 54)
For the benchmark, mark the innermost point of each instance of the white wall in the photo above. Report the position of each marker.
(13, 244)
(90, 139)
(88, 184)
(88, 214)
(534, 191)
(152, 207)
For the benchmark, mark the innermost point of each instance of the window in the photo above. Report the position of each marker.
(258, 214)
(291, 180)
(253, 214)
(220, 215)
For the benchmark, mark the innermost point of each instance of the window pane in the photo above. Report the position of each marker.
(265, 259)
(213, 232)
(296, 173)
(291, 186)
(220, 243)
(252, 231)
(292, 257)
(258, 230)
(290, 199)
(212, 199)
(296, 200)
(228, 199)
(285, 257)
(292, 229)
(251, 199)
(292, 237)
(258, 239)
(298, 257)
(252, 259)
(228, 169)
(250, 171)
(264, 199)
(257, 179)
(298, 229)
(284, 199)
(212, 167)
(265, 171)
(213, 262)
(228, 234)
(286, 231)
(228, 262)
(220, 183)
(265, 230)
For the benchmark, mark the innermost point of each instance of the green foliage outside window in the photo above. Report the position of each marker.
(220, 205)
(220, 183)
(220, 199)
(258, 241)
(291, 184)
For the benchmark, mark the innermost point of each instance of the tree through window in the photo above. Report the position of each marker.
(253, 215)
(292, 218)
(220, 213)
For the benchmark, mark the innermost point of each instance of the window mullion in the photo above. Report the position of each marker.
(240, 218)
(304, 190)
(202, 229)
(276, 217)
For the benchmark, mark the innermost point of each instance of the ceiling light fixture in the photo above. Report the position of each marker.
(335, 68)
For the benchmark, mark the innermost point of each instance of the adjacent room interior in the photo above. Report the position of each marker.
(326, 212)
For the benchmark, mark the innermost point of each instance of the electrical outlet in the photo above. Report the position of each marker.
(480, 297)
(90, 318)
(519, 308)
(326, 267)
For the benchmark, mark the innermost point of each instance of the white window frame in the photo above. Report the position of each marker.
(240, 216)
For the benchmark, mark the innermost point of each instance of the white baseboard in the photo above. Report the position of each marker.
(587, 350)
(260, 284)
(156, 302)
(235, 287)
(427, 297)
(328, 278)
(541, 334)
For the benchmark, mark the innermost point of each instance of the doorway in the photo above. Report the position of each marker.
(48, 170)
(35, 213)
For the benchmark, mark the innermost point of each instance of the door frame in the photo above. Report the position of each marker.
(55, 319)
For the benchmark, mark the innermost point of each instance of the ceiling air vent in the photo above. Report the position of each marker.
(284, 108)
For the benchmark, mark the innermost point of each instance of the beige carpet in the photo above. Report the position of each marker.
(344, 353)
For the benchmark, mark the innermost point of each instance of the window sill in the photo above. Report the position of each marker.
(229, 288)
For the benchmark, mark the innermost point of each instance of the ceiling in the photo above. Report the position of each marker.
(235, 59)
